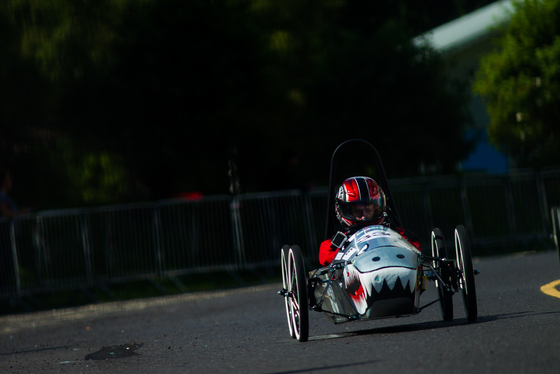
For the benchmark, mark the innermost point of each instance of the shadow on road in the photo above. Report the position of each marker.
(339, 366)
(432, 325)
(495, 317)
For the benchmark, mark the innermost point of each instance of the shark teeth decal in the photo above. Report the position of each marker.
(354, 288)
(366, 288)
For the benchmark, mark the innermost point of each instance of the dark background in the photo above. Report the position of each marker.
(107, 102)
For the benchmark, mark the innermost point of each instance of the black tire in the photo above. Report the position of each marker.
(445, 293)
(298, 301)
(465, 273)
(285, 286)
(555, 215)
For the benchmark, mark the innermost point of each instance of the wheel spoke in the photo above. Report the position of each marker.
(298, 299)
(465, 273)
(439, 251)
(287, 284)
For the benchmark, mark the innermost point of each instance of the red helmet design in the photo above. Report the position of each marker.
(360, 201)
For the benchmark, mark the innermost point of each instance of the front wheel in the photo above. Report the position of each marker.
(297, 295)
(555, 215)
(465, 273)
(285, 287)
(444, 290)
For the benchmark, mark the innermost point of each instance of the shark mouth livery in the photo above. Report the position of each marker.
(385, 284)
(386, 273)
(379, 278)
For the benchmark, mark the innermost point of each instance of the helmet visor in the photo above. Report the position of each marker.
(360, 212)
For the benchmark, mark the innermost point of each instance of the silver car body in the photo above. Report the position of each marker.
(378, 275)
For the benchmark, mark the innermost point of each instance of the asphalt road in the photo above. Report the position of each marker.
(245, 330)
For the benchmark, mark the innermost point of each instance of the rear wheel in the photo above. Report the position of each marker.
(555, 215)
(444, 290)
(465, 273)
(297, 286)
(285, 286)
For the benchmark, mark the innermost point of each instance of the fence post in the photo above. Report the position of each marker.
(86, 247)
(157, 239)
(554, 214)
(237, 232)
(510, 208)
(465, 204)
(45, 276)
(108, 252)
(427, 201)
(37, 240)
(193, 234)
(14, 257)
(310, 228)
(539, 180)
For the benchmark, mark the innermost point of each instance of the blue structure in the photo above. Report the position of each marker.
(463, 42)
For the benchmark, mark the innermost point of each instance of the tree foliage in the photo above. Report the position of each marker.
(520, 82)
(145, 99)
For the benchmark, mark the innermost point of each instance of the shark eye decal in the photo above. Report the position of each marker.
(400, 256)
(376, 258)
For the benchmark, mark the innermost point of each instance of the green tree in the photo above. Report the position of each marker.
(520, 82)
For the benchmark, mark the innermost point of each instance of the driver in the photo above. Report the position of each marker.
(360, 202)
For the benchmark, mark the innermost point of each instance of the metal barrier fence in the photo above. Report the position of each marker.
(81, 248)
(494, 208)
